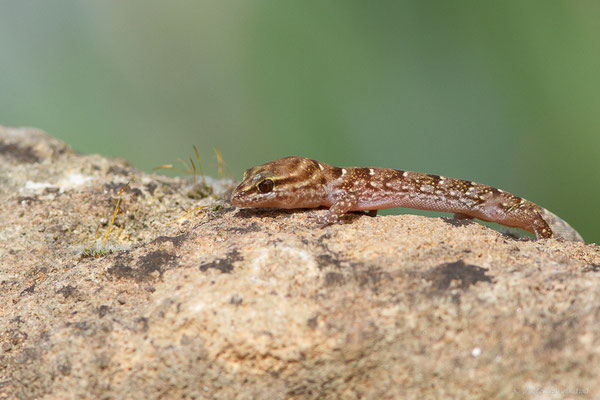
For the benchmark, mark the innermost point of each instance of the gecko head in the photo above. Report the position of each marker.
(276, 183)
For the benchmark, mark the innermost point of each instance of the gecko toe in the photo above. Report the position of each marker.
(323, 220)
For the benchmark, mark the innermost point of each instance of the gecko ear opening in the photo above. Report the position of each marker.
(265, 186)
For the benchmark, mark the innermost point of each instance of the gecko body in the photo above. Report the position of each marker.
(298, 182)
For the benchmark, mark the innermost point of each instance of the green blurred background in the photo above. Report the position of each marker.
(504, 93)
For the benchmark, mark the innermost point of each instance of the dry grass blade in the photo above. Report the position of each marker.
(220, 164)
(114, 214)
(186, 214)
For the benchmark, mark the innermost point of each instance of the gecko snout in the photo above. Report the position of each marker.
(236, 197)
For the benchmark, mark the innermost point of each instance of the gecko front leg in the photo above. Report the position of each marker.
(342, 203)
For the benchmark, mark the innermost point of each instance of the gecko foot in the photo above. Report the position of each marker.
(323, 220)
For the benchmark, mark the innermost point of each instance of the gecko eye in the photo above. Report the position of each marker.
(265, 186)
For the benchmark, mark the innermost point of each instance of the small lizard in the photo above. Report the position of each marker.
(298, 182)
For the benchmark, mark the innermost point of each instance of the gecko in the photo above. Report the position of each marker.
(299, 182)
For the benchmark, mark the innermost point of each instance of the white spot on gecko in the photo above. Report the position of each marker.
(321, 167)
(405, 174)
(426, 188)
(371, 172)
(344, 171)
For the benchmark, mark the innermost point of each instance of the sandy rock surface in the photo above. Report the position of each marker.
(256, 304)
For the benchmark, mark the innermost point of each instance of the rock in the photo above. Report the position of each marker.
(229, 303)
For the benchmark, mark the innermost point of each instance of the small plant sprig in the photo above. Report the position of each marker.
(201, 188)
(194, 168)
(95, 251)
(191, 169)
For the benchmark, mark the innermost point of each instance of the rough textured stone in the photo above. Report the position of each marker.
(230, 303)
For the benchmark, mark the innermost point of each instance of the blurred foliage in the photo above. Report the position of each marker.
(505, 93)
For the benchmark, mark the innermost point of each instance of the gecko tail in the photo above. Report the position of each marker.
(560, 228)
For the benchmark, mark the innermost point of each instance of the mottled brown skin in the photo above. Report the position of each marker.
(298, 182)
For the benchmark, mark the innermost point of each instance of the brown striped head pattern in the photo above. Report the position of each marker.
(290, 182)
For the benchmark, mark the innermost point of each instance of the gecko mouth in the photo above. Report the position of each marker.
(241, 198)
(236, 199)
